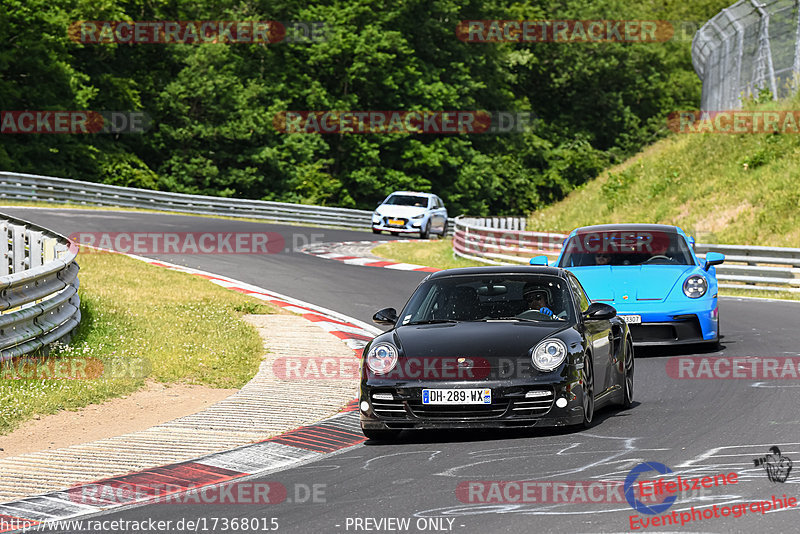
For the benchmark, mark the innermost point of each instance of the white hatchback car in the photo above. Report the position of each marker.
(405, 212)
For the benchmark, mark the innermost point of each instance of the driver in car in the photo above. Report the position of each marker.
(538, 299)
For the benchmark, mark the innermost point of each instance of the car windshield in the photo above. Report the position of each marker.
(634, 247)
(513, 297)
(407, 200)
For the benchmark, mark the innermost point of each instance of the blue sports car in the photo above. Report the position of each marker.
(651, 275)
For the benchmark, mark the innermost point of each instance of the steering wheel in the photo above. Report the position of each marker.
(659, 257)
(536, 314)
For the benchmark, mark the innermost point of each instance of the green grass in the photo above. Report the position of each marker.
(433, 253)
(721, 188)
(759, 293)
(176, 327)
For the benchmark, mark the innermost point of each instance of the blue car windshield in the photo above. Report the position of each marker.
(407, 200)
(516, 297)
(634, 247)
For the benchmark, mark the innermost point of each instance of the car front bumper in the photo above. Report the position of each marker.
(665, 323)
(409, 227)
(510, 408)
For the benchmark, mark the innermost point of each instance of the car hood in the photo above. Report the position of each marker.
(405, 212)
(489, 340)
(637, 282)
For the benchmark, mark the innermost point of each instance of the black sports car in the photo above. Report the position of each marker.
(494, 347)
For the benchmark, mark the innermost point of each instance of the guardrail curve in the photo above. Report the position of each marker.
(745, 267)
(39, 301)
(32, 187)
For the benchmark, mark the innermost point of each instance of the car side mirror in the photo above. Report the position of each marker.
(713, 258)
(599, 311)
(539, 260)
(386, 316)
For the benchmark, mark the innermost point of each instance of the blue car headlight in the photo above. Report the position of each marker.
(549, 354)
(382, 358)
(695, 286)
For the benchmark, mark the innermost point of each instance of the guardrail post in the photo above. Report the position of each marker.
(17, 248)
(5, 253)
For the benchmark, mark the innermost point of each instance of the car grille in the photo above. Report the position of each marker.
(534, 406)
(686, 328)
(389, 408)
(445, 411)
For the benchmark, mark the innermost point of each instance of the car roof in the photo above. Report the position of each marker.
(627, 227)
(417, 193)
(500, 269)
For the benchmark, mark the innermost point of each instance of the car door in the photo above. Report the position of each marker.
(598, 336)
(433, 215)
(441, 214)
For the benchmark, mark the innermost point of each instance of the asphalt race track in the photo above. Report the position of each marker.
(696, 427)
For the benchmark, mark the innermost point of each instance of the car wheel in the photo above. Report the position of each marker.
(425, 234)
(444, 229)
(627, 380)
(588, 392)
(395, 233)
(374, 231)
(381, 434)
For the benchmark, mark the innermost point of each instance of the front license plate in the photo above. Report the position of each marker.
(396, 222)
(632, 319)
(456, 396)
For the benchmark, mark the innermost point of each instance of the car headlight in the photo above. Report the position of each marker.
(418, 216)
(549, 354)
(382, 358)
(695, 286)
(376, 214)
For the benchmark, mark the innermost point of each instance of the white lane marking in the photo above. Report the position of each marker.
(384, 456)
(336, 327)
(359, 261)
(404, 266)
(765, 385)
(712, 453)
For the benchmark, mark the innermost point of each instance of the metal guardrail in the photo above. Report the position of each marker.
(474, 239)
(745, 267)
(31, 187)
(756, 267)
(39, 301)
